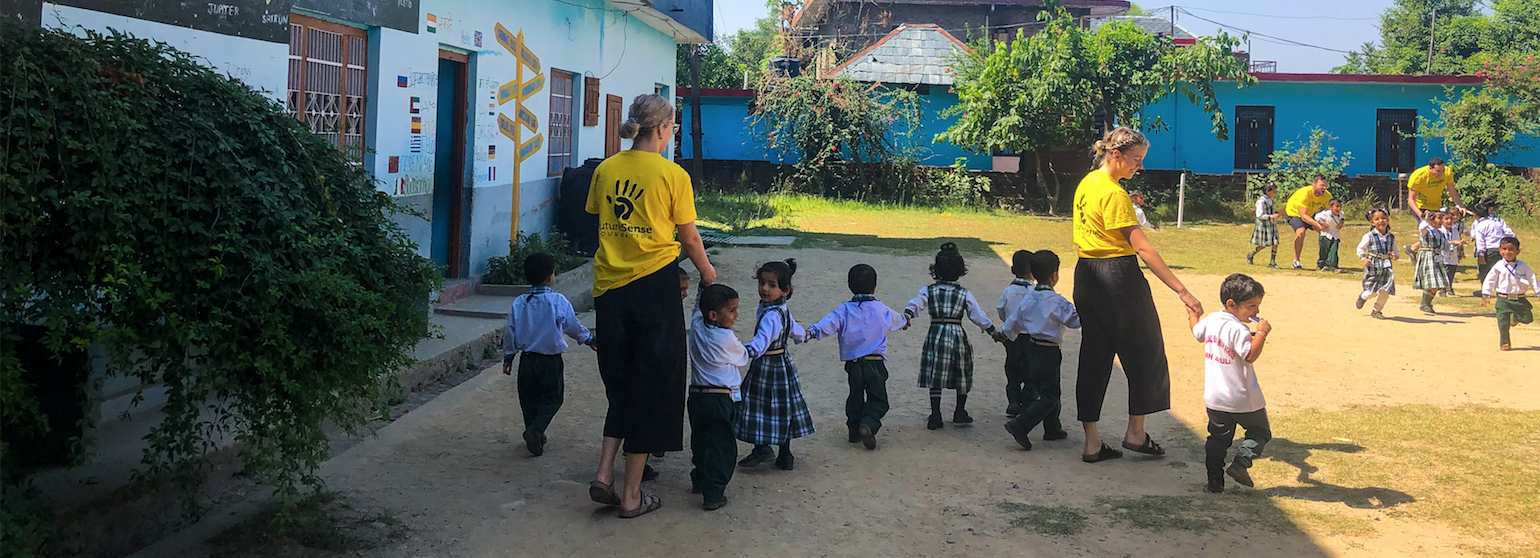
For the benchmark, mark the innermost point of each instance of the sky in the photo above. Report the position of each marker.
(1336, 24)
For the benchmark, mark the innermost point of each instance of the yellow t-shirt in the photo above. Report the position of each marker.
(1430, 190)
(640, 198)
(1304, 203)
(1102, 210)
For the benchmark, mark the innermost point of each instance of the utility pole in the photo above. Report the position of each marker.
(695, 139)
(1173, 23)
(1432, 34)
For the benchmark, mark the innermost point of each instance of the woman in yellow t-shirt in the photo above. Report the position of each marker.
(1116, 307)
(646, 211)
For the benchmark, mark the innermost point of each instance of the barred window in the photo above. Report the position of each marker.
(560, 133)
(327, 80)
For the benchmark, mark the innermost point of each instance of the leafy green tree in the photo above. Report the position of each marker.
(718, 70)
(1050, 89)
(1463, 39)
(206, 239)
(1298, 161)
(825, 123)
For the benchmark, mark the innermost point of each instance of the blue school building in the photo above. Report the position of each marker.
(1373, 117)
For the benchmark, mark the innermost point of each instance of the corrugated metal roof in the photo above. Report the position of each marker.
(1155, 25)
(913, 54)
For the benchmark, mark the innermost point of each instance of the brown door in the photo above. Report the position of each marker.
(611, 125)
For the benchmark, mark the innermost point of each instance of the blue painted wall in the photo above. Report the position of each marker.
(727, 134)
(1346, 110)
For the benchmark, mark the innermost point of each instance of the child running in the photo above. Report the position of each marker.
(1454, 229)
(1265, 233)
(715, 357)
(773, 409)
(1331, 236)
(863, 324)
(1015, 352)
(1488, 231)
(946, 362)
(1039, 322)
(1508, 281)
(536, 322)
(1377, 250)
(1431, 277)
(1230, 388)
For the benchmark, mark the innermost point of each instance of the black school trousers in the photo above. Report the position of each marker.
(540, 389)
(1221, 433)
(868, 399)
(713, 448)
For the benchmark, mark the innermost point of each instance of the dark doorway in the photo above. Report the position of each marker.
(1253, 137)
(611, 125)
(1395, 140)
(448, 243)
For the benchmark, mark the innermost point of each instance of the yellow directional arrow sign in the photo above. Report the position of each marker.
(515, 46)
(532, 87)
(508, 127)
(527, 118)
(530, 147)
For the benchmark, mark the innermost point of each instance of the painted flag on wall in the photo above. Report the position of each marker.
(491, 152)
(395, 164)
(491, 173)
(416, 144)
(415, 107)
(478, 39)
(432, 23)
(400, 81)
(417, 124)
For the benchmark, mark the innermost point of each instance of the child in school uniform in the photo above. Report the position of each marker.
(1137, 197)
(1488, 231)
(1377, 250)
(946, 362)
(1430, 276)
(1039, 321)
(773, 410)
(1231, 391)
(536, 322)
(1265, 233)
(862, 324)
(716, 354)
(1015, 352)
(1454, 227)
(1331, 236)
(1508, 281)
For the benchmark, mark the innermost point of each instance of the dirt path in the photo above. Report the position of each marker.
(456, 473)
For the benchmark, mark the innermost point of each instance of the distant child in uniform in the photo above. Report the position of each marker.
(1431, 277)
(1137, 197)
(946, 362)
(1331, 236)
(773, 409)
(1454, 229)
(1265, 233)
(1038, 321)
(1377, 250)
(1508, 281)
(536, 321)
(1015, 352)
(1231, 391)
(1488, 231)
(716, 355)
(863, 324)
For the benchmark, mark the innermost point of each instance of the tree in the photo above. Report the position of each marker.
(1135, 10)
(824, 123)
(1048, 90)
(1462, 39)
(208, 240)
(718, 70)
(1297, 162)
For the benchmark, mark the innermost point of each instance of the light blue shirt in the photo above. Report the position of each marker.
(716, 354)
(769, 328)
(536, 322)
(1012, 296)
(1042, 315)
(862, 324)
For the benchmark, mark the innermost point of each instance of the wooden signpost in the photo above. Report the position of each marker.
(519, 91)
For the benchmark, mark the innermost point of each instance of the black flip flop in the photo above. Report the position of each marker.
(1149, 447)
(1104, 454)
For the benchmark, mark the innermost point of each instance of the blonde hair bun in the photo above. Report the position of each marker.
(629, 128)
(1120, 139)
(646, 114)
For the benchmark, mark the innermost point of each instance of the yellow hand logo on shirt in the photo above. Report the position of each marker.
(624, 193)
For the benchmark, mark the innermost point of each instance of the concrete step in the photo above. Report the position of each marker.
(484, 307)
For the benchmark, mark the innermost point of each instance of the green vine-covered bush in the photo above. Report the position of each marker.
(509, 269)
(208, 240)
(849, 140)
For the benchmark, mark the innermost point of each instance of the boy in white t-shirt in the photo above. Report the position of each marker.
(1230, 389)
(1331, 236)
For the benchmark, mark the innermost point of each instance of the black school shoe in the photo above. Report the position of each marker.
(785, 461)
(961, 417)
(855, 434)
(760, 454)
(534, 443)
(1019, 433)
(1240, 474)
(714, 506)
(868, 438)
(649, 473)
(1055, 435)
(1215, 486)
(934, 423)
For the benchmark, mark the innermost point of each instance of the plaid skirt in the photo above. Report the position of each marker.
(947, 360)
(1378, 279)
(773, 409)
(1430, 271)
(1265, 233)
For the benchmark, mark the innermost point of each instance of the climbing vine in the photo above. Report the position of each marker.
(844, 135)
(207, 240)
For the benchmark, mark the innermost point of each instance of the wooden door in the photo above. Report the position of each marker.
(612, 121)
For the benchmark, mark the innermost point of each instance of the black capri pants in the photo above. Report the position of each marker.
(1118, 319)
(641, 342)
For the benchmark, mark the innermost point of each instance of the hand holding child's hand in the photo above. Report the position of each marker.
(906, 324)
(1193, 313)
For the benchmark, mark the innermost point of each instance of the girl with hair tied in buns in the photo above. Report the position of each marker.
(1117, 309)
(643, 200)
(773, 410)
(946, 362)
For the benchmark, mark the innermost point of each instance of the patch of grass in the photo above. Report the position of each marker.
(321, 526)
(1046, 520)
(1236, 508)
(1469, 467)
